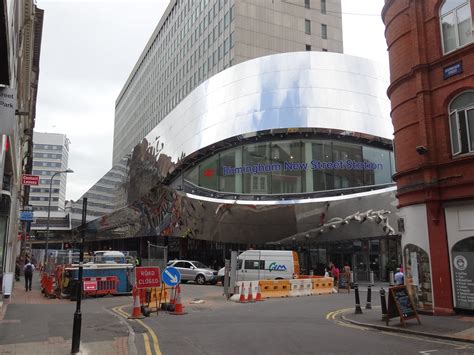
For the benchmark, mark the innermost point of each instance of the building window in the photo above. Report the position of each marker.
(323, 7)
(324, 31)
(456, 24)
(308, 47)
(307, 27)
(306, 4)
(461, 123)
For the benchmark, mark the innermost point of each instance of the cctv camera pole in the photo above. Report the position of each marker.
(76, 328)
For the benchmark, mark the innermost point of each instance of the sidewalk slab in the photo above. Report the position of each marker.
(456, 328)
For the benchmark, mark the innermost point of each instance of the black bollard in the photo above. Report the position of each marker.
(358, 310)
(383, 303)
(368, 305)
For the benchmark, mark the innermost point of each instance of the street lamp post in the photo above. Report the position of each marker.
(49, 211)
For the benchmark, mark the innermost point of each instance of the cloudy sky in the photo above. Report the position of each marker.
(89, 48)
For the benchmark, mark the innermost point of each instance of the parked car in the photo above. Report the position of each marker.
(194, 271)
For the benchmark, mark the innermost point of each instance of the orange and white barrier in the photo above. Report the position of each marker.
(301, 287)
(323, 285)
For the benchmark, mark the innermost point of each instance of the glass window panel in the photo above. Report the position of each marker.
(451, 5)
(288, 155)
(227, 181)
(345, 177)
(381, 158)
(464, 25)
(463, 131)
(208, 173)
(323, 7)
(449, 32)
(462, 101)
(307, 27)
(470, 124)
(322, 178)
(256, 156)
(324, 31)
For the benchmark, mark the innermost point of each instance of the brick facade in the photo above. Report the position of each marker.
(420, 98)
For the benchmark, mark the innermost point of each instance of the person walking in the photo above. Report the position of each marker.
(399, 277)
(28, 271)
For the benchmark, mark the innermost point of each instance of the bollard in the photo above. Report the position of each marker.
(383, 303)
(372, 280)
(358, 310)
(392, 279)
(368, 305)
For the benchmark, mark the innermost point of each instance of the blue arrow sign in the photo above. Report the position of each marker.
(171, 276)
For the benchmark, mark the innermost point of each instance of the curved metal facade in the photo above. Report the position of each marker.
(282, 91)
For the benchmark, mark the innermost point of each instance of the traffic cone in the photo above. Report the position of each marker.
(242, 296)
(137, 312)
(250, 296)
(259, 294)
(178, 307)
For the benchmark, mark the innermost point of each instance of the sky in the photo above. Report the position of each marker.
(88, 50)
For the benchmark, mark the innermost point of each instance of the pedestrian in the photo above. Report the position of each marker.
(399, 277)
(326, 272)
(28, 271)
(335, 273)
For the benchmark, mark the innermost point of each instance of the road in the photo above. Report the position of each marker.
(297, 325)
(301, 325)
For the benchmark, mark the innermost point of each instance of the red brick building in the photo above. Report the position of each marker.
(431, 51)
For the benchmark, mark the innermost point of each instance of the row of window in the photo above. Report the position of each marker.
(45, 173)
(35, 189)
(47, 147)
(324, 29)
(307, 4)
(47, 155)
(36, 198)
(293, 166)
(46, 163)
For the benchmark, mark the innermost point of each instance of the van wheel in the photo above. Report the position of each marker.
(200, 279)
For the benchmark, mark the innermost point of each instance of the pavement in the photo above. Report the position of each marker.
(455, 328)
(33, 324)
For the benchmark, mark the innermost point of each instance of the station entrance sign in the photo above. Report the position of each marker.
(147, 277)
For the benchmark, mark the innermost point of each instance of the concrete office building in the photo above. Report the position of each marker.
(194, 40)
(50, 155)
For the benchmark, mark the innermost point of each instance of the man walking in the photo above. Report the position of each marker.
(28, 270)
(399, 277)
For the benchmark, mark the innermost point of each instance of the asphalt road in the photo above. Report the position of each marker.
(298, 325)
(279, 326)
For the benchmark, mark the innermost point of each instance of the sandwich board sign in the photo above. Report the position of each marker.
(400, 305)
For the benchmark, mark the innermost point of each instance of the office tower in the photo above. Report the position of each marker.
(50, 155)
(194, 40)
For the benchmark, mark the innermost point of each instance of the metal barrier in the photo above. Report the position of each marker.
(105, 286)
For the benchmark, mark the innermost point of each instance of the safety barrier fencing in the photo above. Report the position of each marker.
(322, 286)
(285, 288)
(104, 285)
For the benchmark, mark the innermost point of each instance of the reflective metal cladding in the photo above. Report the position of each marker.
(285, 92)
(303, 89)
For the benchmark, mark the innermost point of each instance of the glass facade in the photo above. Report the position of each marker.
(293, 166)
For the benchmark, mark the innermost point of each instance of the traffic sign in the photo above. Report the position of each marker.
(90, 285)
(146, 277)
(31, 180)
(171, 276)
(26, 216)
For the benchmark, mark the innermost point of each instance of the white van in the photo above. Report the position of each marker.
(267, 264)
